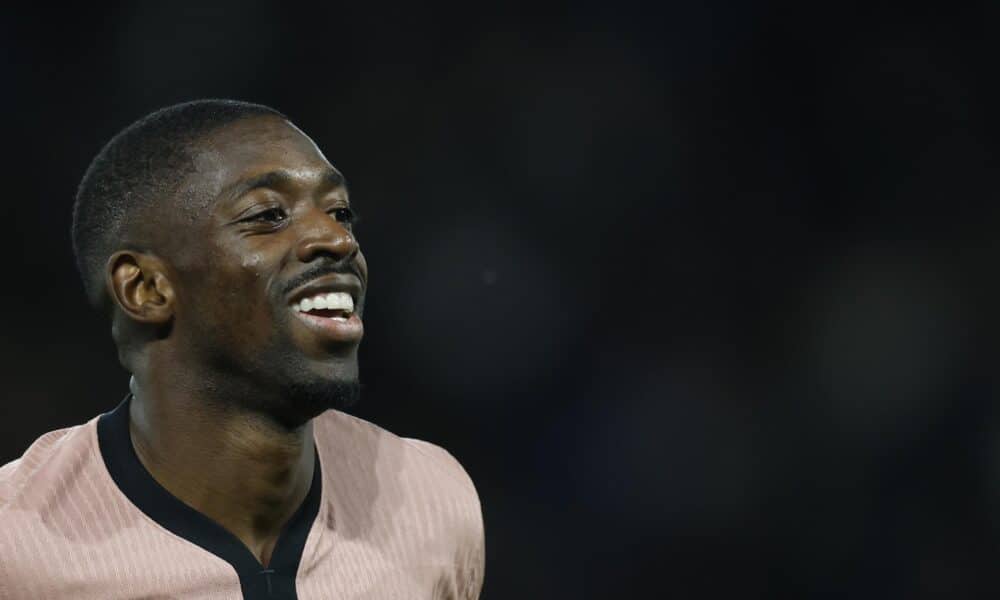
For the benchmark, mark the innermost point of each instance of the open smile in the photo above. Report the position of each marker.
(326, 306)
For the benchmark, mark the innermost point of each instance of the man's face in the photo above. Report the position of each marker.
(270, 286)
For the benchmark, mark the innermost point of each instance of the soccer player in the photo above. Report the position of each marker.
(218, 240)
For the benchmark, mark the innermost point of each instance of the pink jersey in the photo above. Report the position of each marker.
(386, 518)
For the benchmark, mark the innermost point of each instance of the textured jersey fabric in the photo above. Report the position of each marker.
(387, 518)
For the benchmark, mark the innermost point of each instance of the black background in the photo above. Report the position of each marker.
(700, 294)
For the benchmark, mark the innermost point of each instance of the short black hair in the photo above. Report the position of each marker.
(140, 166)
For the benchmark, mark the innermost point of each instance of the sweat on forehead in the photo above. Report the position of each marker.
(140, 167)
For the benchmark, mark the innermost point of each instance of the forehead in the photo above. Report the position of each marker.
(251, 147)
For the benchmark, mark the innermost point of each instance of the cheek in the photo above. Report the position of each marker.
(236, 299)
(229, 283)
(363, 267)
(251, 264)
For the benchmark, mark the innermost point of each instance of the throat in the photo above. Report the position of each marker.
(248, 478)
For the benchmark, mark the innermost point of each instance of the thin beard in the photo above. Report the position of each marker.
(320, 396)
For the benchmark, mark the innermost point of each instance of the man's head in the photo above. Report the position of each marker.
(211, 230)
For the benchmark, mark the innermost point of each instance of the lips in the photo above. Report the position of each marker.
(326, 306)
(328, 284)
(336, 329)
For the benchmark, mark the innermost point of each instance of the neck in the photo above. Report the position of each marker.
(242, 469)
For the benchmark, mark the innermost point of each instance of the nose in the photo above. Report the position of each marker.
(323, 235)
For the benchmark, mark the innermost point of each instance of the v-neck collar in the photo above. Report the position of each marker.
(276, 581)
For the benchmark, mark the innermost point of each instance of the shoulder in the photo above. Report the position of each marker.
(407, 472)
(45, 465)
(438, 465)
(393, 480)
(411, 461)
(469, 553)
(35, 492)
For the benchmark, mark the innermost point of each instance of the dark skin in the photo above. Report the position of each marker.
(226, 378)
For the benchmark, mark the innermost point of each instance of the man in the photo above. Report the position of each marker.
(219, 241)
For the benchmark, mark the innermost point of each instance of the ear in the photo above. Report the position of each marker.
(139, 285)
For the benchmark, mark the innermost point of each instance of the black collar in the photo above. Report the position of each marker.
(275, 581)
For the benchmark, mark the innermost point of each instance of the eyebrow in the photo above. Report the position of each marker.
(281, 178)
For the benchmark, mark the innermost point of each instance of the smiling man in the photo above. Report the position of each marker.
(220, 242)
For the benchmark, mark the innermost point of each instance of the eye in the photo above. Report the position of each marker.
(344, 214)
(271, 215)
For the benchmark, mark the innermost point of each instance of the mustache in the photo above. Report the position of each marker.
(325, 266)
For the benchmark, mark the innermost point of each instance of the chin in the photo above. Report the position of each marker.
(311, 397)
(307, 387)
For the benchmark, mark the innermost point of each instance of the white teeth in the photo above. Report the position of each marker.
(340, 301)
(332, 301)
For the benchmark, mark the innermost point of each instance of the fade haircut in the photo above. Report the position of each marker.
(141, 165)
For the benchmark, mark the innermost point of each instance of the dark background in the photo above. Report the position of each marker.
(700, 294)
